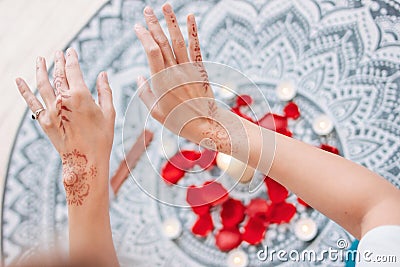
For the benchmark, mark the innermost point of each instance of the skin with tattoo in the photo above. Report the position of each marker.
(296, 165)
(82, 132)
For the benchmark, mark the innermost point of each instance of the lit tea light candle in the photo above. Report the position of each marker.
(305, 229)
(172, 228)
(237, 258)
(322, 125)
(227, 91)
(286, 91)
(234, 168)
(169, 147)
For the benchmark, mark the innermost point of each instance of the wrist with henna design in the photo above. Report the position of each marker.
(78, 174)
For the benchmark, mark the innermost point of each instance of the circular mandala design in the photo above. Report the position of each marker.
(344, 57)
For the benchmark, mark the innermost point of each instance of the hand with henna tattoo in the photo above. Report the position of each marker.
(181, 97)
(182, 100)
(82, 132)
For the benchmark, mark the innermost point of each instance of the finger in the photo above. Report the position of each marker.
(159, 36)
(178, 43)
(43, 83)
(194, 43)
(148, 97)
(105, 95)
(73, 70)
(152, 49)
(30, 99)
(60, 80)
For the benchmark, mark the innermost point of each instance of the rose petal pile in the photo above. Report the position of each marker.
(239, 222)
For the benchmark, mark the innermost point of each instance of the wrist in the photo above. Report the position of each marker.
(84, 177)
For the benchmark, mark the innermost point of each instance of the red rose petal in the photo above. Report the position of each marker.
(254, 231)
(185, 159)
(171, 174)
(277, 193)
(302, 202)
(285, 132)
(258, 207)
(232, 213)
(207, 159)
(203, 226)
(281, 212)
(244, 100)
(273, 122)
(214, 193)
(210, 193)
(292, 111)
(228, 239)
(329, 148)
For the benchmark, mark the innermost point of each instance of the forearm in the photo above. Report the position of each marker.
(88, 212)
(344, 191)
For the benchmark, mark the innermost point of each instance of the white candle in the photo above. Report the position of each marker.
(237, 258)
(322, 125)
(286, 91)
(172, 228)
(227, 91)
(234, 168)
(305, 229)
(169, 146)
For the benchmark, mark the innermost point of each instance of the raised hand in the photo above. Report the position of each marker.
(181, 97)
(82, 131)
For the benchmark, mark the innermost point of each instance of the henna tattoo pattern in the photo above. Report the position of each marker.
(198, 59)
(76, 176)
(62, 94)
(218, 137)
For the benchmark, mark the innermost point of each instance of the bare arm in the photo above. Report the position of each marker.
(350, 194)
(82, 132)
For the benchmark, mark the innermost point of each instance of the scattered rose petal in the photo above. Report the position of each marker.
(203, 226)
(302, 202)
(254, 231)
(210, 193)
(244, 100)
(285, 132)
(292, 111)
(281, 212)
(329, 148)
(228, 238)
(274, 122)
(171, 174)
(207, 159)
(232, 213)
(277, 192)
(258, 207)
(185, 159)
(214, 193)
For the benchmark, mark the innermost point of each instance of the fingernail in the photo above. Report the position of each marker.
(105, 76)
(18, 81)
(191, 17)
(69, 51)
(148, 10)
(167, 8)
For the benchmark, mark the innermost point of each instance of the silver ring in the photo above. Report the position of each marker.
(35, 115)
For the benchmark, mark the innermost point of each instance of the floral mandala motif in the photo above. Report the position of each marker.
(343, 56)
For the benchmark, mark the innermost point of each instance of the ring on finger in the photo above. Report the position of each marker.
(35, 115)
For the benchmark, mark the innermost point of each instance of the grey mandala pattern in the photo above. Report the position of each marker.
(343, 55)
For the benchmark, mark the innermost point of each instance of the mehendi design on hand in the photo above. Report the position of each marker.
(76, 176)
(60, 104)
(217, 136)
